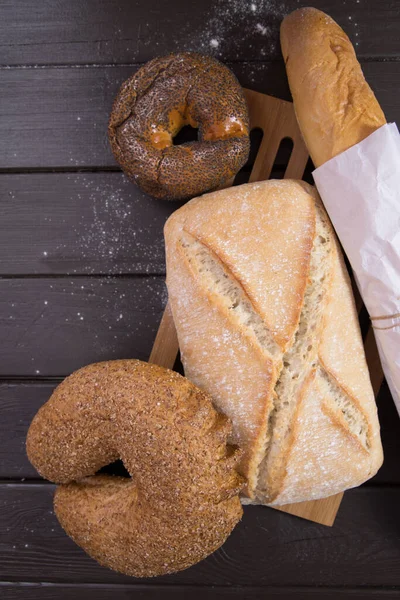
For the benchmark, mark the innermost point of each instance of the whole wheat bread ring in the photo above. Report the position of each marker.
(182, 501)
(155, 103)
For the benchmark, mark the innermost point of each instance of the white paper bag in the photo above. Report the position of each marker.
(360, 189)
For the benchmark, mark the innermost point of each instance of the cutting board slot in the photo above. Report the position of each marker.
(256, 138)
(282, 158)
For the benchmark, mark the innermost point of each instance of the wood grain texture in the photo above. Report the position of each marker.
(18, 405)
(49, 591)
(266, 549)
(79, 223)
(374, 363)
(322, 511)
(276, 118)
(54, 326)
(390, 434)
(57, 118)
(166, 346)
(72, 31)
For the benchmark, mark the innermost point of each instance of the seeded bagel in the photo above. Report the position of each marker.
(152, 107)
(182, 501)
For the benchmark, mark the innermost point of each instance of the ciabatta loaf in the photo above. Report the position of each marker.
(267, 325)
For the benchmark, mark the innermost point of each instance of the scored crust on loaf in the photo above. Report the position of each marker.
(259, 358)
(246, 391)
(304, 351)
(219, 281)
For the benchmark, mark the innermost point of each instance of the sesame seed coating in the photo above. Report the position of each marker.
(181, 501)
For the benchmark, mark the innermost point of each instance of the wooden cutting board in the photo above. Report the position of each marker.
(277, 120)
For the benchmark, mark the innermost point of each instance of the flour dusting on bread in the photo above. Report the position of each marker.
(296, 362)
(264, 315)
(220, 282)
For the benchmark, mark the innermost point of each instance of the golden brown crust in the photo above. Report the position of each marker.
(324, 458)
(182, 502)
(335, 107)
(262, 234)
(214, 227)
(324, 455)
(152, 106)
(237, 391)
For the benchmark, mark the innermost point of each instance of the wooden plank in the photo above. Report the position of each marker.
(20, 401)
(277, 120)
(57, 118)
(72, 32)
(54, 326)
(79, 223)
(84, 223)
(18, 405)
(374, 362)
(321, 511)
(166, 346)
(60, 119)
(267, 548)
(50, 591)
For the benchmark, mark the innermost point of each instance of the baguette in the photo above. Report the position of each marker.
(335, 107)
(267, 326)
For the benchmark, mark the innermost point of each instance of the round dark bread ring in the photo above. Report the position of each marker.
(155, 103)
(182, 501)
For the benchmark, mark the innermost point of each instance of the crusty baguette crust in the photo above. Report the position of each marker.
(335, 107)
(262, 236)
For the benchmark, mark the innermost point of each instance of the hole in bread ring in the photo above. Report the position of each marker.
(182, 500)
(185, 135)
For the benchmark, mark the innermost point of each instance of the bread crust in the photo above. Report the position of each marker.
(168, 92)
(182, 501)
(244, 229)
(335, 107)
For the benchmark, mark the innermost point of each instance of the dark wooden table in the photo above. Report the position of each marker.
(82, 280)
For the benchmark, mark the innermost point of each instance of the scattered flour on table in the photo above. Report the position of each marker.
(246, 30)
(232, 28)
(112, 232)
(113, 235)
(353, 31)
(92, 319)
